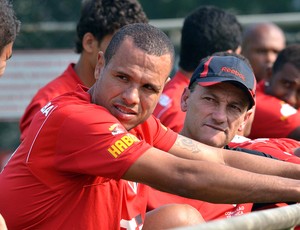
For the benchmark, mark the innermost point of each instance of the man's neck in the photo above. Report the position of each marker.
(84, 72)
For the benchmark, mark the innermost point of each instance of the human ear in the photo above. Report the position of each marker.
(245, 127)
(89, 42)
(185, 95)
(100, 64)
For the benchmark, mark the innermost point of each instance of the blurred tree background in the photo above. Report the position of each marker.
(63, 15)
(33, 12)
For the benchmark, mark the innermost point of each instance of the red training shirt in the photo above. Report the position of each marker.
(168, 109)
(66, 174)
(273, 118)
(66, 82)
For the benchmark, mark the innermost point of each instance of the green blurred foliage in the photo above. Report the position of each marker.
(30, 11)
(179, 8)
(37, 11)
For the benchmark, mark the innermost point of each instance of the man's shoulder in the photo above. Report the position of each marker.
(178, 82)
(64, 83)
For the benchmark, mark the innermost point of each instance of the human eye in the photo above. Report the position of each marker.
(208, 99)
(287, 84)
(151, 88)
(123, 78)
(235, 108)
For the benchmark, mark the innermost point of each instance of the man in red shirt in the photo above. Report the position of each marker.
(278, 99)
(206, 30)
(99, 20)
(87, 152)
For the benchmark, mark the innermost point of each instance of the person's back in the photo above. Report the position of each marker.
(261, 44)
(99, 20)
(281, 91)
(206, 30)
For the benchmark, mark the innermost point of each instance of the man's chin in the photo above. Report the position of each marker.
(214, 142)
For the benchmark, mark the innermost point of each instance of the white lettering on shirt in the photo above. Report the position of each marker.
(47, 108)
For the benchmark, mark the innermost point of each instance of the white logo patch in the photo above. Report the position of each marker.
(164, 100)
(287, 110)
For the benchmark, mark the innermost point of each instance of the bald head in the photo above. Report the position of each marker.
(261, 44)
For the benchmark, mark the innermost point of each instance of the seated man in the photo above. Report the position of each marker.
(278, 99)
(218, 104)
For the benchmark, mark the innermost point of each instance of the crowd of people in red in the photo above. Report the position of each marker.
(111, 143)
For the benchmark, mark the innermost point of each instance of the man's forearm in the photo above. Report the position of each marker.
(189, 149)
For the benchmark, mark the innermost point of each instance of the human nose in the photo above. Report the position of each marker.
(131, 95)
(219, 114)
(271, 56)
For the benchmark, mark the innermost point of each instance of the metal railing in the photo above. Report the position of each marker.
(277, 218)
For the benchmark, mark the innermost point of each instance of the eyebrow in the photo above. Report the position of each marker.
(120, 72)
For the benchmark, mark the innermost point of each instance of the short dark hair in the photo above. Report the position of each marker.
(206, 30)
(146, 37)
(104, 17)
(9, 24)
(290, 54)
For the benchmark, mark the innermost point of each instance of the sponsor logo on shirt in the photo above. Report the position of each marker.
(286, 111)
(117, 129)
(47, 109)
(237, 211)
(164, 100)
(122, 144)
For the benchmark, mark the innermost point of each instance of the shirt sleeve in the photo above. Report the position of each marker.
(93, 142)
(156, 134)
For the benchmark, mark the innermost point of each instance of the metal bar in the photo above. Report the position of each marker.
(277, 218)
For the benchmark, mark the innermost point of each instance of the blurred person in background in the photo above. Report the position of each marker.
(278, 98)
(206, 30)
(9, 28)
(261, 44)
(99, 20)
